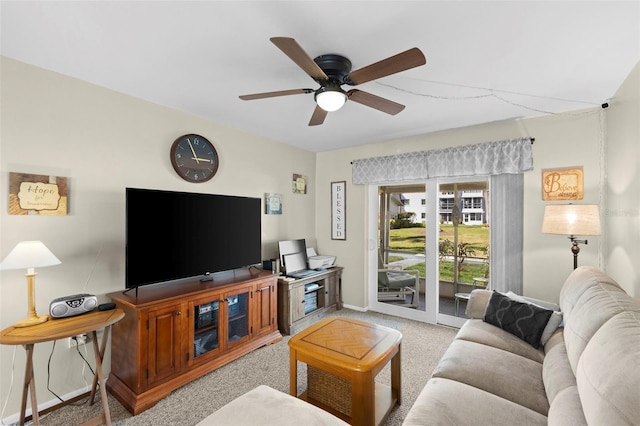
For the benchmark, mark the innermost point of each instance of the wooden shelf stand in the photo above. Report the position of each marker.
(293, 312)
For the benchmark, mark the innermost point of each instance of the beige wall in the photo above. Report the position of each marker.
(559, 141)
(104, 141)
(622, 183)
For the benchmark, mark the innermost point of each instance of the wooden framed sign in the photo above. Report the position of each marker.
(31, 194)
(338, 210)
(565, 183)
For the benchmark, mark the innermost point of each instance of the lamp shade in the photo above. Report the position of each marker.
(29, 254)
(571, 219)
(331, 99)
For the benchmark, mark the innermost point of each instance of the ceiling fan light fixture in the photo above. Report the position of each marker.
(330, 98)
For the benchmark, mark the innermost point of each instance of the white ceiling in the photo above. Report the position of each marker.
(486, 61)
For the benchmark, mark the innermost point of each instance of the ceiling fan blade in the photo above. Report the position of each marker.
(373, 101)
(401, 62)
(318, 116)
(275, 94)
(292, 49)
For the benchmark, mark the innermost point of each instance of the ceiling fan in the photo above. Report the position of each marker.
(332, 71)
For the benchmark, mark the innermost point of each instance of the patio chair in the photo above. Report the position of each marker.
(397, 284)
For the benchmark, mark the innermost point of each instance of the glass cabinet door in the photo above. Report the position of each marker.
(237, 317)
(206, 325)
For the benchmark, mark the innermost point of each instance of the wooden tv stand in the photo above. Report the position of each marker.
(175, 333)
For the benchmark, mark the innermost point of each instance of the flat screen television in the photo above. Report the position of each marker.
(176, 235)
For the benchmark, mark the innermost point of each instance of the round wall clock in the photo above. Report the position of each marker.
(194, 158)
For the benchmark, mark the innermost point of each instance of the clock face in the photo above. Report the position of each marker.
(194, 158)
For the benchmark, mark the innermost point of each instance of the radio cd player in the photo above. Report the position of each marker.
(69, 306)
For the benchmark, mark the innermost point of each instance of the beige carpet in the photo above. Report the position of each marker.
(422, 347)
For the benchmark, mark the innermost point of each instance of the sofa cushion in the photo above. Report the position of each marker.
(478, 331)
(608, 372)
(270, 407)
(556, 371)
(566, 409)
(579, 281)
(448, 402)
(524, 320)
(507, 375)
(597, 304)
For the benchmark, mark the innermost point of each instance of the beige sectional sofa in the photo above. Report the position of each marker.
(587, 372)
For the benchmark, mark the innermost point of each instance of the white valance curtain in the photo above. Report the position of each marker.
(492, 158)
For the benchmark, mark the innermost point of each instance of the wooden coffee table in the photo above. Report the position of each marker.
(343, 357)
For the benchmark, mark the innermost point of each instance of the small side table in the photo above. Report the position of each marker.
(458, 297)
(61, 329)
(343, 357)
(478, 282)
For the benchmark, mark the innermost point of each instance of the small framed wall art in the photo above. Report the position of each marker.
(272, 203)
(42, 195)
(299, 184)
(338, 210)
(566, 183)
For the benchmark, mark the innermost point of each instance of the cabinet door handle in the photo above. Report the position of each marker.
(178, 313)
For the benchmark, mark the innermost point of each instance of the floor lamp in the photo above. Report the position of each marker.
(572, 220)
(30, 255)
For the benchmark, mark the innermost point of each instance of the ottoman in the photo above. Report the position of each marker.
(269, 407)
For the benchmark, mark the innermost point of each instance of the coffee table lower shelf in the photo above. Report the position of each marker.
(385, 402)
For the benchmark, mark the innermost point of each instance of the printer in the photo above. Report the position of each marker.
(319, 262)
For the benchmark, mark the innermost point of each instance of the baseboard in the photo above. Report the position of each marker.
(48, 406)
(354, 308)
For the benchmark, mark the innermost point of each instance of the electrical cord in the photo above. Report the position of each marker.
(491, 93)
(85, 360)
(49, 371)
(85, 364)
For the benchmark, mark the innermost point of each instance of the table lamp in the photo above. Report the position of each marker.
(30, 255)
(572, 220)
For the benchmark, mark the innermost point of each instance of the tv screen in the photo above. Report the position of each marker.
(175, 235)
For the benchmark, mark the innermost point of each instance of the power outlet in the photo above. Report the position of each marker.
(80, 339)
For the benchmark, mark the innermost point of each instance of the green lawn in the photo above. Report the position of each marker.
(468, 273)
(412, 240)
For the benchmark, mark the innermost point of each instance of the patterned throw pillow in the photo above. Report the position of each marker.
(554, 321)
(523, 320)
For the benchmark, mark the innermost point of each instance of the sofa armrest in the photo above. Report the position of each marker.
(477, 303)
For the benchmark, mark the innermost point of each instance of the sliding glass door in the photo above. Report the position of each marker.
(429, 247)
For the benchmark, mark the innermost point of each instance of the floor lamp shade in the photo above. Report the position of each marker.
(572, 220)
(30, 255)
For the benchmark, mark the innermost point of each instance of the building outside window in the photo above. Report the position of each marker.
(472, 206)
